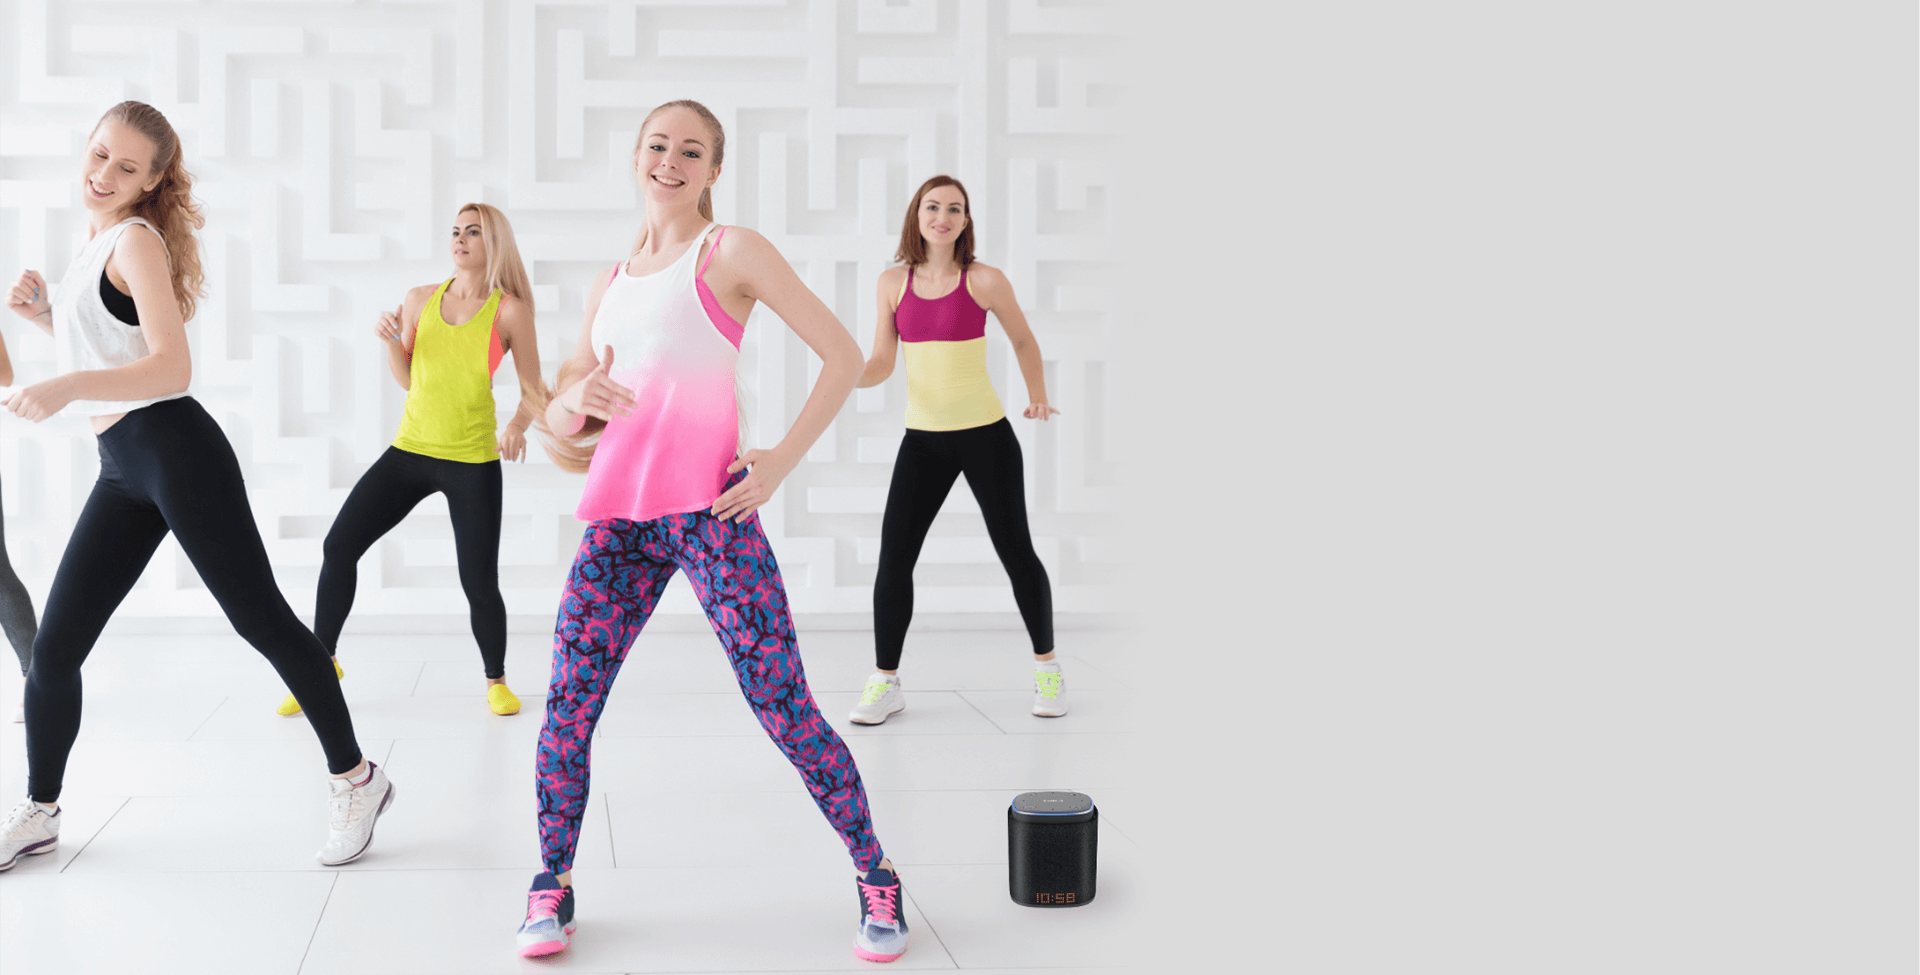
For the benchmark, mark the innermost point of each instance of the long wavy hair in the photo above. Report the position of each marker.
(508, 273)
(504, 267)
(169, 206)
(913, 247)
(575, 453)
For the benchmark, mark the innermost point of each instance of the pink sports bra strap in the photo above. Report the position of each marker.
(714, 250)
(614, 273)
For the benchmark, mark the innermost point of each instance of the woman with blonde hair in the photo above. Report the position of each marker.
(119, 322)
(444, 342)
(673, 487)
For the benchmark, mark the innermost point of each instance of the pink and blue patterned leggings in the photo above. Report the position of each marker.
(617, 578)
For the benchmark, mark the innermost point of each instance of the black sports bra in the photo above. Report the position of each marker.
(118, 305)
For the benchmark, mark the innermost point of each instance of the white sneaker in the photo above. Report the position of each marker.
(881, 698)
(351, 811)
(1049, 693)
(28, 830)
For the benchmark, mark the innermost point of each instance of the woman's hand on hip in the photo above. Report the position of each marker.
(40, 400)
(765, 470)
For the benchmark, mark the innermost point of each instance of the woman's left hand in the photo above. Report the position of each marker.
(40, 400)
(512, 444)
(1039, 410)
(766, 470)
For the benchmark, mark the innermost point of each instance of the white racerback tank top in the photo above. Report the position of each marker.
(86, 335)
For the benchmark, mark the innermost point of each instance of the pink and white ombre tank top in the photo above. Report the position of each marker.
(679, 352)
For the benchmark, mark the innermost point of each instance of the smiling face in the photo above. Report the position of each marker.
(468, 246)
(674, 160)
(943, 215)
(116, 169)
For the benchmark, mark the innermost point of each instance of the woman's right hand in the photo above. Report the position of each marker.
(598, 395)
(388, 327)
(28, 299)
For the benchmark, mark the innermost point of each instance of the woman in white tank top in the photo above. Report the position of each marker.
(119, 320)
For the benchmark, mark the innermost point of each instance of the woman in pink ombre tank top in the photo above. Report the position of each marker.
(672, 486)
(676, 348)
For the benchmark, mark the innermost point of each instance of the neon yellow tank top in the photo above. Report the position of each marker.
(450, 387)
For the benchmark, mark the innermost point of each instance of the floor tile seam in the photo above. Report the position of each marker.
(927, 919)
(976, 709)
(96, 833)
(418, 676)
(317, 921)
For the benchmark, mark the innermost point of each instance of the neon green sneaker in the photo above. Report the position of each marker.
(881, 697)
(1049, 693)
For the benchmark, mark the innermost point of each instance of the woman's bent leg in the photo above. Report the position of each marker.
(993, 468)
(923, 474)
(611, 591)
(111, 544)
(181, 459)
(382, 497)
(474, 500)
(734, 574)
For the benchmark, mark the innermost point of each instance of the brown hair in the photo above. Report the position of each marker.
(913, 247)
(576, 452)
(169, 206)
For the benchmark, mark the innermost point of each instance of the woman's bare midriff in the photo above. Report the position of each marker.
(101, 423)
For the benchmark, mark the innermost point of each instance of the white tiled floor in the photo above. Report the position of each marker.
(192, 814)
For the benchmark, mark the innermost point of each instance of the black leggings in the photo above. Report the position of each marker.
(923, 473)
(16, 609)
(390, 489)
(167, 467)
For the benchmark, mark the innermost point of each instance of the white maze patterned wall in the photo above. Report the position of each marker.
(332, 142)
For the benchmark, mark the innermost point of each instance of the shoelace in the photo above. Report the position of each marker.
(544, 903)
(881, 901)
(1048, 684)
(875, 688)
(18, 816)
(343, 805)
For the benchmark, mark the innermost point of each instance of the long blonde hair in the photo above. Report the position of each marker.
(575, 453)
(504, 268)
(169, 206)
(508, 273)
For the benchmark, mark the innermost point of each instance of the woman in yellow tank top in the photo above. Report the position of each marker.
(444, 343)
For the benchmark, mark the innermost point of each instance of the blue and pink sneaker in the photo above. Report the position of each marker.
(549, 924)
(883, 920)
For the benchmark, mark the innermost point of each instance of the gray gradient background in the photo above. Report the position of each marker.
(1526, 420)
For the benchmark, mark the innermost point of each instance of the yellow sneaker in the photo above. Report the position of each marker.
(501, 700)
(290, 707)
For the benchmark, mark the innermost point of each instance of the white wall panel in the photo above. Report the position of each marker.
(332, 141)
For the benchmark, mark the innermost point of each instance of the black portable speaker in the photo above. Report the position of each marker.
(1052, 848)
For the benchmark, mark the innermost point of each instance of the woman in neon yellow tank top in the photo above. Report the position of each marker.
(444, 343)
